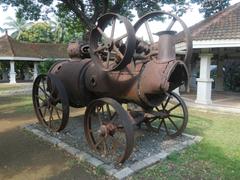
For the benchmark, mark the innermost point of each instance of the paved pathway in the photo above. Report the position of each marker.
(221, 101)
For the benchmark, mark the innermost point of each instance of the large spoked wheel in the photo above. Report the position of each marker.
(171, 116)
(108, 129)
(109, 48)
(50, 102)
(151, 24)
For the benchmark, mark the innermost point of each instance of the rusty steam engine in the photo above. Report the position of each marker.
(124, 82)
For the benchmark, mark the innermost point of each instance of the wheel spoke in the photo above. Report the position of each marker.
(162, 106)
(108, 58)
(119, 54)
(152, 119)
(173, 123)
(174, 107)
(120, 38)
(44, 112)
(46, 95)
(114, 114)
(43, 83)
(157, 109)
(176, 116)
(160, 125)
(40, 107)
(105, 147)
(39, 97)
(102, 33)
(99, 116)
(113, 28)
(165, 125)
(165, 105)
(50, 117)
(171, 24)
(57, 112)
(99, 142)
(116, 143)
(109, 112)
(149, 32)
(100, 48)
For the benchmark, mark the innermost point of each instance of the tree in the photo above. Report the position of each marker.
(40, 32)
(2, 29)
(18, 26)
(88, 11)
(66, 27)
(210, 7)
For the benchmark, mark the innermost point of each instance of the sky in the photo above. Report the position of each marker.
(190, 18)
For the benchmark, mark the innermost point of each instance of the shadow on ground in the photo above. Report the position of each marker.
(23, 156)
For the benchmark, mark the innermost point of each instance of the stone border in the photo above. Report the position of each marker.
(110, 170)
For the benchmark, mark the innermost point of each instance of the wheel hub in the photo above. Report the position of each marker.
(108, 129)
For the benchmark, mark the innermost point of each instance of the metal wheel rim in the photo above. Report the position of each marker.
(124, 119)
(186, 31)
(130, 42)
(51, 103)
(163, 123)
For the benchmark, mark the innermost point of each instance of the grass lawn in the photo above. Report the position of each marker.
(7, 86)
(217, 156)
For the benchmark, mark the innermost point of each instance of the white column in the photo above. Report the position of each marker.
(35, 70)
(12, 73)
(204, 83)
(177, 91)
(219, 78)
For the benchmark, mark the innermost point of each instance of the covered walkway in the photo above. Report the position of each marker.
(221, 101)
(12, 52)
(216, 41)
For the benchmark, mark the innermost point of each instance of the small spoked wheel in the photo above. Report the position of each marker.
(50, 102)
(109, 48)
(171, 116)
(108, 129)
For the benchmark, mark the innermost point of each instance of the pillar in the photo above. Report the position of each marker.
(204, 83)
(35, 70)
(219, 78)
(177, 91)
(12, 73)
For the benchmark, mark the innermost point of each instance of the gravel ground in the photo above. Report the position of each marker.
(146, 143)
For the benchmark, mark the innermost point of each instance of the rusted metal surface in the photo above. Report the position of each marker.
(159, 14)
(172, 116)
(108, 129)
(78, 49)
(122, 69)
(109, 52)
(72, 75)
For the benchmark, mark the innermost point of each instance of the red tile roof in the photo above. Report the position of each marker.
(12, 48)
(223, 25)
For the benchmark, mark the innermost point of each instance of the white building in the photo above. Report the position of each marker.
(215, 41)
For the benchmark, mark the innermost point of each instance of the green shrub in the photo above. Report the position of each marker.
(45, 65)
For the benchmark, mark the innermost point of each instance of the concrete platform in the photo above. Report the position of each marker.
(149, 149)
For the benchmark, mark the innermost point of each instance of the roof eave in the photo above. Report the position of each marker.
(9, 58)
